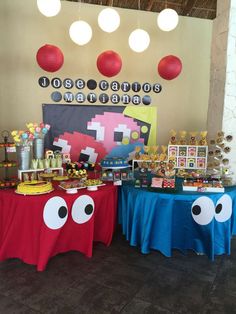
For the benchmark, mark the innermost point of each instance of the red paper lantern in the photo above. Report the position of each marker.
(109, 63)
(169, 67)
(50, 58)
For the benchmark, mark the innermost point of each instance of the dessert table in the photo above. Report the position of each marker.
(203, 222)
(34, 228)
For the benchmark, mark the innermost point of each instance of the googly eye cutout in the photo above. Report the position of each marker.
(227, 149)
(82, 209)
(229, 138)
(223, 209)
(55, 213)
(225, 161)
(225, 171)
(203, 210)
(217, 152)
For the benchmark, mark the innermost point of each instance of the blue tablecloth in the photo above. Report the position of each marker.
(203, 222)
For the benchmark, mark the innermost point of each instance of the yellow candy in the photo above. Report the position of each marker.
(13, 133)
(29, 125)
(17, 139)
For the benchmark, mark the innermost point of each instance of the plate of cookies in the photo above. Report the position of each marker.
(72, 187)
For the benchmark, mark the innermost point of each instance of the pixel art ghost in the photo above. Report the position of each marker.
(185, 222)
(113, 129)
(81, 146)
(206, 228)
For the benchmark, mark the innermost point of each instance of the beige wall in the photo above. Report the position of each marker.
(183, 102)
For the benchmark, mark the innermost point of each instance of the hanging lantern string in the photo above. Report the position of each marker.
(138, 15)
(167, 19)
(110, 3)
(79, 15)
(109, 18)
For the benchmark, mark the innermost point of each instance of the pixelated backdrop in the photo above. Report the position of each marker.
(90, 133)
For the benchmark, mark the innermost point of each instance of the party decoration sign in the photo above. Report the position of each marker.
(98, 91)
(90, 133)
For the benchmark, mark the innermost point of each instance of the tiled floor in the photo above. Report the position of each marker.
(119, 279)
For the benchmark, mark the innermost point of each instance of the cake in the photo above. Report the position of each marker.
(157, 182)
(34, 187)
(114, 162)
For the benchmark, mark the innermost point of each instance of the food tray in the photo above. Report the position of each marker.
(203, 189)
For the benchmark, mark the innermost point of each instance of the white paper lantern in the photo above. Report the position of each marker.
(49, 7)
(167, 20)
(80, 32)
(139, 40)
(109, 20)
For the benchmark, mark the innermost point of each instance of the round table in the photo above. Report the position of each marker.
(203, 222)
(35, 228)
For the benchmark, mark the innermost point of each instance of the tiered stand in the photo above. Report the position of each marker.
(35, 173)
(8, 147)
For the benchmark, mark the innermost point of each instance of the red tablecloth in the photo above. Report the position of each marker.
(35, 228)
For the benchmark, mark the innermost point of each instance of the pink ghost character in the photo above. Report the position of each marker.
(112, 127)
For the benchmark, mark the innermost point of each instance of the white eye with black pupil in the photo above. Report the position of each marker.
(203, 210)
(120, 132)
(223, 209)
(55, 213)
(82, 209)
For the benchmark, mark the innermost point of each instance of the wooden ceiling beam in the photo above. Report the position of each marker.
(188, 7)
(196, 8)
(204, 9)
(149, 5)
